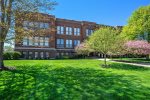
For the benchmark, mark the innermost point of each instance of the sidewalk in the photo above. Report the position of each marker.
(142, 65)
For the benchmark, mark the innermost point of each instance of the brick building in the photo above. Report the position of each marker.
(56, 37)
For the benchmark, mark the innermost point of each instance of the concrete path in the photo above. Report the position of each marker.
(142, 64)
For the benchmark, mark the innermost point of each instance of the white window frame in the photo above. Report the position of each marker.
(68, 30)
(60, 43)
(68, 43)
(77, 31)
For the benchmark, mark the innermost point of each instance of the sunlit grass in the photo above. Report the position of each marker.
(74, 80)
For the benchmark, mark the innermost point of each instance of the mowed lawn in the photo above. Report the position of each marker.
(73, 80)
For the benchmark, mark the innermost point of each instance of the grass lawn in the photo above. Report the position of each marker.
(73, 80)
(134, 60)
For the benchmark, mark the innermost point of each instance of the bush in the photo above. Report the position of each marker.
(11, 55)
(16, 55)
(7, 55)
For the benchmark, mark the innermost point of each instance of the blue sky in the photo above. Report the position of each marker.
(108, 12)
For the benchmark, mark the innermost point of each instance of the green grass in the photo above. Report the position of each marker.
(73, 80)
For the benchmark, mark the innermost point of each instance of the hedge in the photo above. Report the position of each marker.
(11, 55)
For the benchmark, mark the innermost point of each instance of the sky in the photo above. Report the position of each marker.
(107, 12)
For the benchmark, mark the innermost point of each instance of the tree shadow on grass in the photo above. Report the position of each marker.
(128, 67)
(69, 83)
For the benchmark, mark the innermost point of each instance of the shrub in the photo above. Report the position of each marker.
(11, 55)
(16, 55)
(7, 55)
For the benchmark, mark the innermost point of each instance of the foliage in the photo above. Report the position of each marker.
(12, 55)
(16, 55)
(9, 12)
(7, 55)
(83, 49)
(138, 23)
(106, 41)
(138, 47)
(73, 80)
(8, 49)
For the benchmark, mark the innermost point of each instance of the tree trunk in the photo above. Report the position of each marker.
(1, 55)
(105, 62)
(147, 57)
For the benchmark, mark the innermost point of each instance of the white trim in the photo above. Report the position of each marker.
(29, 48)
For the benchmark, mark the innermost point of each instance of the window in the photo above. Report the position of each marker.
(25, 41)
(30, 55)
(41, 41)
(77, 31)
(68, 31)
(60, 43)
(31, 41)
(36, 24)
(42, 55)
(76, 42)
(46, 25)
(24, 54)
(46, 41)
(67, 53)
(36, 41)
(25, 23)
(41, 25)
(62, 54)
(57, 54)
(89, 32)
(68, 43)
(36, 54)
(47, 54)
(31, 24)
(60, 30)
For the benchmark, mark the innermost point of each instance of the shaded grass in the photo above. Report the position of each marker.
(74, 80)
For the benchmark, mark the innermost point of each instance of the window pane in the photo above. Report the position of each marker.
(42, 55)
(68, 43)
(31, 41)
(46, 25)
(76, 42)
(25, 41)
(41, 41)
(36, 41)
(36, 54)
(60, 43)
(62, 30)
(46, 41)
(47, 54)
(58, 29)
(25, 23)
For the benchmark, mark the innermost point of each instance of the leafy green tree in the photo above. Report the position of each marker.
(8, 10)
(138, 24)
(106, 41)
(8, 48)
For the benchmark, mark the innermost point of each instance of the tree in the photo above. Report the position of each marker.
(8, 48)
(105, 40)
(8, 11)
(138, 47)
(138, 24)
(83, 49)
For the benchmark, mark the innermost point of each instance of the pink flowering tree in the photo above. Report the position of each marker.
(138, 47)
(83, 49)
